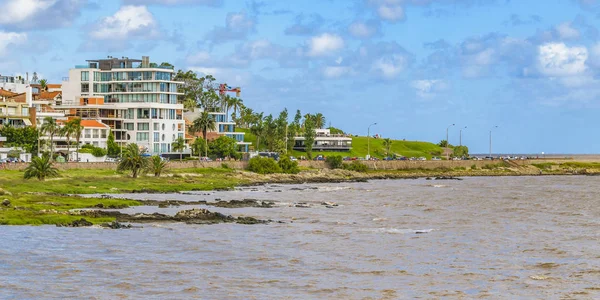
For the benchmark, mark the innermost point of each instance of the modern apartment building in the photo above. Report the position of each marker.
(135, 98)
(15, 84)
(325, 141)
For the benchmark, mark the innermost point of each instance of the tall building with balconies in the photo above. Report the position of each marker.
(135, 98)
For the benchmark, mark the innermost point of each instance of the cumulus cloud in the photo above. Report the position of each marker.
(429, 88)
(389, 10)
(364, 30)
(566, 31)
(557, 60)
(213, 3)
(128, 22)
(325, 44)
(237, 27)
(304, 25)
(9, 40)
(39, 14)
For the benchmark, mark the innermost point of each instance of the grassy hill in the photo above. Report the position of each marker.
(359, 147)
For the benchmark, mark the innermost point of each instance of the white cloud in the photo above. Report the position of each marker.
(360, 29)
(325, 44)
(566, 31)
(129, 21)
(39, 14)
(391, 11)
(429, 88)
(9, 40)
(16, 11)
(390, 67)
(336, 71)
(175, 2)
(237, 27)
(557, 59)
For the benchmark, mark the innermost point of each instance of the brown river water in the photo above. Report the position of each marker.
(491, 238)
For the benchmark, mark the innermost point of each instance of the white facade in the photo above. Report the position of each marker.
(13, 84)
(141, 97)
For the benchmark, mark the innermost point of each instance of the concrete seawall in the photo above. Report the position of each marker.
(240, 165)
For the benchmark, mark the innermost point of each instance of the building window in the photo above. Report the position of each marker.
(88, 134)
(163, 76)
(129, 113)
(180, 135)
(143, 126)
(142, 136)
(103, 133)
(95, 133)
(85, 87)
(96, 76)
(156, 136)
(154, 113)
(147, 75)
(156, 126)
(128, 126)
(85, 76)
(143, 113)
(163, 147)
(105, 76)
(156, 148)
(163, 137)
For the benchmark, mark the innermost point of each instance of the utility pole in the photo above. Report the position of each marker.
(447, 142)
(491, 140)
(460, 137)
(369, 141)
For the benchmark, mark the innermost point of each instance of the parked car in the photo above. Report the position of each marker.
(436, 158)
(205, 158)
(401, 158)
(346, 158)
(293, 158)
(388, 158)
(319, 157)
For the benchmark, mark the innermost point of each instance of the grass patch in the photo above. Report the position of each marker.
(543, 166)
(585, 165)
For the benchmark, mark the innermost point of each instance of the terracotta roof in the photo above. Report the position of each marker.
(48, 95)
(54, 86)
(18, 98)
(5, 93)
(92, 123)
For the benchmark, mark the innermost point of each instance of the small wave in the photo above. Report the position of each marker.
(402, 231)
(379, 219)
(439, 185)
(333, 188)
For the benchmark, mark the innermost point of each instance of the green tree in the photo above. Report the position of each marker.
(133, 160)
(179, 145)
(112, 147)
(50, 128)
(44, 84)
(258, 129)
(319, 120)
(204, 123)
(334, 161)
(236, 104)
(281, 130)
(25, 137)
(288, 166)
(460, 151)
(78, 129)
(40, 168)
(309, 135)
(263, 165)
(223, 147)
(387, 143)
(157, 165)
(198, 146)
(443, 144)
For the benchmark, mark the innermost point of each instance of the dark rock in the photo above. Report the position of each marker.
(106, 196)
(428, 178)
(116, 225)
(163, 205)
(243, 203)
(447, 178)
(249, 221)
(6, 203)
(77, 223)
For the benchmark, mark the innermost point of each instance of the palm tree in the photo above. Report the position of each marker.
(203, 124)
(387, 143)
(50, 128)
(319, 120)
(40, 168)
(157, 165)
(133, 160)
(77, 129)
(179, 145)
(44, 84)
(258, 129)
(67, 131)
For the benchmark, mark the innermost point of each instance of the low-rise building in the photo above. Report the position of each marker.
(325, 141)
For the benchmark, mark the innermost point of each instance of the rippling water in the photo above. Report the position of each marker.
(506, 237)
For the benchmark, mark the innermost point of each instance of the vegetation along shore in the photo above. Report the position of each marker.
(55, 200)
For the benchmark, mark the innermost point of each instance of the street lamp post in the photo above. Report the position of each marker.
(369, 140)
(447, 143)
(460, 136)
(491, 140)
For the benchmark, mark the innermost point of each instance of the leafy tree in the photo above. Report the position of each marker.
(157, 165)
(387, 143)
(443, 144)
(270, 133)
(223, 147)
(112, 147)
(460, 151)
(356, 166)
(288, 166)
(258, 129)
(78, 129)
(263, 165)
(40, 168)
(25, 137)
(236, 104)
(133, 160)
(309, 135)
(281, 131)
(166, 64)
(179, 145)
(198, 146)
(204, 123)
(50, 128)
(319, 120)
(98, 152)
(334, 130)
(334, 161)
(44, 84)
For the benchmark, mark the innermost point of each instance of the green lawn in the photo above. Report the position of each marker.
(359, 147)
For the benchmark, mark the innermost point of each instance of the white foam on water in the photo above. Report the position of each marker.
(402, 231)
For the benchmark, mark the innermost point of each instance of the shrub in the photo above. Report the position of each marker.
(356, 166)
(473, 166)
(225, 166)
(288, 166)
(263, 165)
(334, 162)
(98, 152)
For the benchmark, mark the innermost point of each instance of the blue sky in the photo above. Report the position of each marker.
(529, 67)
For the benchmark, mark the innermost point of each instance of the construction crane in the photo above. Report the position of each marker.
(224, 88)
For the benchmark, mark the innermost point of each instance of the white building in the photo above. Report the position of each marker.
(136, 99)
(14, 84)
(325, 141)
